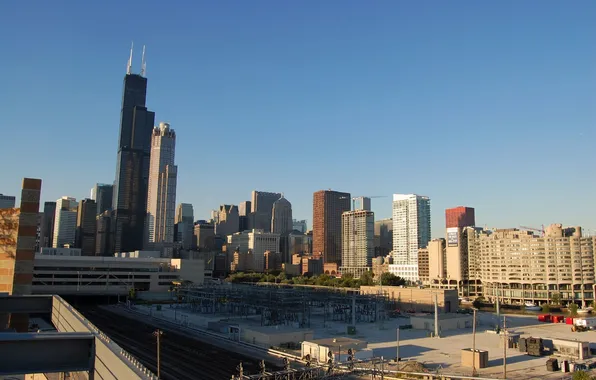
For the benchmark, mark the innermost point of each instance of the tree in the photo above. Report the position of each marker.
(545, 308)
(572, 307)
(366, 279)
(390, 279)
(582, 375)
(555, 299)
(478, 302)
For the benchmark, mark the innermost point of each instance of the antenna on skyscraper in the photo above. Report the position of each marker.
(129, 67)
(143, 63)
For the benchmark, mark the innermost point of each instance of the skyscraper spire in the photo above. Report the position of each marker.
(129, 66)
(143, 63)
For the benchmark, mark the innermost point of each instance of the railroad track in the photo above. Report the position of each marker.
(182, 357)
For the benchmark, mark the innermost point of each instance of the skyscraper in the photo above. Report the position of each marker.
(86, 227)
(299, 225)
(184, 224)
(47, 224)
(103, 194)
(65, 222)
(281, 220)
(103, 236)
(411, 231)
(262, 208)
(460, 217)
(358, 249)
(328, 207)
(132, 164)
(161, 201)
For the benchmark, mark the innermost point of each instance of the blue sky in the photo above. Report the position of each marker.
(484, 104)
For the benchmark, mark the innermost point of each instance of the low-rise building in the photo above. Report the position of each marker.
(418, 299)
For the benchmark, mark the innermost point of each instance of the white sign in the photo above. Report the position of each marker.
(452, 237)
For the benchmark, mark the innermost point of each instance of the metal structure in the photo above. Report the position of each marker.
(278, 304)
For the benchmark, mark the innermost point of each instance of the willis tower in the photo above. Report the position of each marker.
(132, 165)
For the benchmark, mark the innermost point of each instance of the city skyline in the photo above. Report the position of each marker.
(459, 101)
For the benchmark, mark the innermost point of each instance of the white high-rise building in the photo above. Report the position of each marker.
(358, 244)
(65, 222)
(161, 195)
(411, 231)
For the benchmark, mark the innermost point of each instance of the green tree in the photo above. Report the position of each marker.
(545, 308)
(555, 299)
(572, 307)
(366, 279)
(582, 375)
(478, 302)
(389, 279)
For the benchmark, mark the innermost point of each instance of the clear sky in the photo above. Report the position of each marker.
(484, 104)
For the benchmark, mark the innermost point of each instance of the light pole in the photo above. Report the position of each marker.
(158, 333)
(474, 344)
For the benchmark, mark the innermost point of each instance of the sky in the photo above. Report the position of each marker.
(483, 104)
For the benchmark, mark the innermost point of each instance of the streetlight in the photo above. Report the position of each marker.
(474, 343)
(158, 333)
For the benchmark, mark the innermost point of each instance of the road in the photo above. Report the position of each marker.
(182, 357)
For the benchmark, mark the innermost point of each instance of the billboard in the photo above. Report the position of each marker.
(452, 237)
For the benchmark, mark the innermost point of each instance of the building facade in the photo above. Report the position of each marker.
(228, 220)
(411, 231)
(65, 222)
(103, 236)
(132, 165)
(7, 201)
(357, 242)
(103, 195)
(204, 236)
(184, 224)
(517, 266)
(281, 220)
(255, 242)
(383, 237)
(328, 207)
(46, 235)
(86, 227)
(262, 208)
(460, 217)
(161, 198)
(299, 225)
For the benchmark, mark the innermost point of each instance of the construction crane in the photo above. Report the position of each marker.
(534, 229)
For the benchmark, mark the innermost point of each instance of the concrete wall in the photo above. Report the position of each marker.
(110, 360)
(273, 337)
(416, 298)
(454, 323)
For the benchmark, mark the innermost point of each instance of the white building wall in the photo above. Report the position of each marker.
(65, 222)
(411, 231)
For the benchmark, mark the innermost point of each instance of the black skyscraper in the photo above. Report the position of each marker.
(132, 165)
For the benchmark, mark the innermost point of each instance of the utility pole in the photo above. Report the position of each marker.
(158, 333)
(397, 357)
(474, 345)
(505, 342)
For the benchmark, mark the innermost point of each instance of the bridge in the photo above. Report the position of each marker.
(78, 347)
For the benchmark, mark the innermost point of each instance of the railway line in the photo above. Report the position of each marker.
(182, 357)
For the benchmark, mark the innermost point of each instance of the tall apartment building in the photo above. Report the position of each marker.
(65, 222)
(262, 208)
(46, 235)
(517, 266)
(132, 165)
(103, 195)
(161, 198)
(257, 242)
(184, 224)
(411, 231)
(357, 242)
(460, 217)
(383, 237)
(86, 227)
(7, 201)
(328, 207)
(299, 225)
